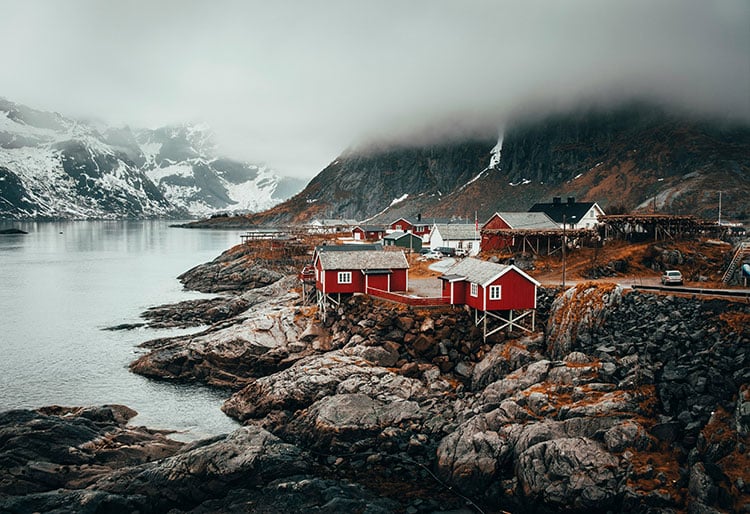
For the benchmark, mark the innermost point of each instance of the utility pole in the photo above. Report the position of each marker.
(563, 253)
(564, 244)
(720, 208)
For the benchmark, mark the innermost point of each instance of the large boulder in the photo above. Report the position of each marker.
(267, 339)
(569, 474)
(502, 359)
(234, 271)
(577, 314)
(358, 369)
(56, 447)
(335, 422)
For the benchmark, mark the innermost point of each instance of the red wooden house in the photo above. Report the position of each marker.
(348, 272)
(501, 229)
(494, 290)
(368, 233)
(418, 228)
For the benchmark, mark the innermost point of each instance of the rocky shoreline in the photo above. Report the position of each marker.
(621, 401)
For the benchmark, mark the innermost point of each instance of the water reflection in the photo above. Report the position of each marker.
(65, 281)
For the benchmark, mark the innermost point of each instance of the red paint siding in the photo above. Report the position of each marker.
(399, 280)
(421, 230)
(402, 225)
(332, 285)
(495, 241)
(368, 235)
(496, 223)
(378, 282)
(517, 293)
(459, 292)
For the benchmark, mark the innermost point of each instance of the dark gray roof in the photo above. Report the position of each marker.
(451, 278)
(371, 228)
(363, 260)
(398, 234)
(556, 211)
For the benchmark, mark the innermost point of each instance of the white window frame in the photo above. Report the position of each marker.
(474, 289)
(496, 292)
(345, 277)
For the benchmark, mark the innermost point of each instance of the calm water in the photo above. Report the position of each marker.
(64, 282)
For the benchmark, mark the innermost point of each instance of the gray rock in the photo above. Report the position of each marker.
(628, 434)
(501, 360)
(569, 473)
(334, 422)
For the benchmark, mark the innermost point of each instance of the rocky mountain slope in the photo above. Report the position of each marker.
(634, 157)
(55, 167)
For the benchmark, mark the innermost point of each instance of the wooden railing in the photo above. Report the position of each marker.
(420, 301)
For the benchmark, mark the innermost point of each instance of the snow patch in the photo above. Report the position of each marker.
(399, 199)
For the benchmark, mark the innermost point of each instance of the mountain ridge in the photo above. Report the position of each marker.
(636, 157)
(55, 167)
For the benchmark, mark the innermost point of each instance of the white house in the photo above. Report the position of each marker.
(459, 236)
(573, 214)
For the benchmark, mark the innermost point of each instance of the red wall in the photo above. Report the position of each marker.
(399, 279)
(459, 291)
(332, 285)
(401, 225)
(369, 235)
(517, 294)
(378, 282)
(495, 241)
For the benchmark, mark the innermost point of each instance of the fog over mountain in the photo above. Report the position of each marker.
(295, 83)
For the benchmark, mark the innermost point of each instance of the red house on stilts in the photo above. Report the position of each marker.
(496, 292)
(340, 273)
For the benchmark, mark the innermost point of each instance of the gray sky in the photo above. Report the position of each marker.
(292, 84)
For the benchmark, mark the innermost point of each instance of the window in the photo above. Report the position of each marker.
(345, 277)
(474, 290)
(496, 292)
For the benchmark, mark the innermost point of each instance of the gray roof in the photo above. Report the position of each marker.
(528, 220)
(558, 210)
(481, 272)
(398, 234)
(458, 232)
(349, 248)
(363, 260)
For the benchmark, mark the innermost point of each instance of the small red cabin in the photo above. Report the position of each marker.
(486, 286)
(368, 233)
(418, 228)
(497, 232)
(339, 272)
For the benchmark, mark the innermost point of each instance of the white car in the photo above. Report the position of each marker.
(432, 255)
(671, 277)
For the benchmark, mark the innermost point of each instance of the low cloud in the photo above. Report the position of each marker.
(294, 83)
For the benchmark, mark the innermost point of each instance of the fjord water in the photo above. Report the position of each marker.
(64, 282)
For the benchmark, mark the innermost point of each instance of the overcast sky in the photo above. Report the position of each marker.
(292, 84)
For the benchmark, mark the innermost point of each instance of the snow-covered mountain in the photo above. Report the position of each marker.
(54, 167)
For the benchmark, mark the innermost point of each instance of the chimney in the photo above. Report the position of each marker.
(556, 200)
(571, 200)
(419, 216)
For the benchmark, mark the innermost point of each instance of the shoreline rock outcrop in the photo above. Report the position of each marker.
(622, 401)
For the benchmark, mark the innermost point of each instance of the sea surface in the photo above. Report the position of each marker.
(64, 282)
